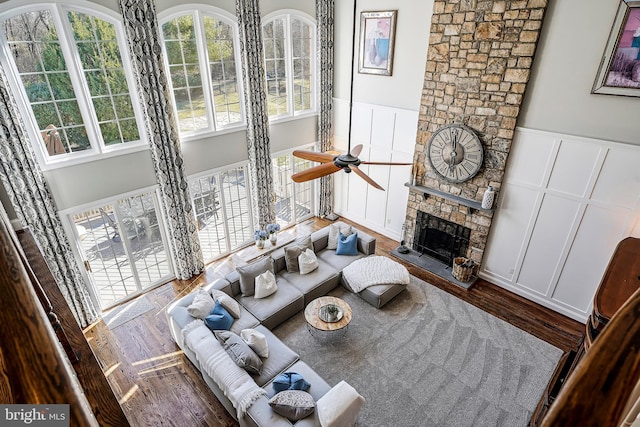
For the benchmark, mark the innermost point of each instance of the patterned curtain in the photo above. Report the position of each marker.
(146, 52)
(32, 201)
(255, 100)
(325, 20)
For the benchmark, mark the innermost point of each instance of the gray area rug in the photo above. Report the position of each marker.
(126, 312)
(430, 359)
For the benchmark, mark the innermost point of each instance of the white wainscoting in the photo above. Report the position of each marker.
(565, 204)
(387, 135)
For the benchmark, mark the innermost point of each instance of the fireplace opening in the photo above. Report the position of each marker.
(439, 238)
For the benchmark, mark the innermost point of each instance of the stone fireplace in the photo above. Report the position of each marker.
(478, 64)
(441, 239)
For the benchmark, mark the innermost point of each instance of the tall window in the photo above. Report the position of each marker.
(293, 201)
(289, 51)
(201, 58)
(223, 212)
(77, 108)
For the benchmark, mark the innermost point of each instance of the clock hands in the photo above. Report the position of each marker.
(454, 144)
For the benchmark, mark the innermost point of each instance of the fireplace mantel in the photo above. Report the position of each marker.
(470, 204)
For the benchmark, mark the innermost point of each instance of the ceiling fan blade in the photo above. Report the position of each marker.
(314, 156)
(356, 150)
(386, 163)
(365, 177)
(315, 172)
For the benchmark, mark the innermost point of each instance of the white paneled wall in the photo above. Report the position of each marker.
(387, 135)
(565, 203)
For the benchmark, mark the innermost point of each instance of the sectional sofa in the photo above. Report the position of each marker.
(294, 292)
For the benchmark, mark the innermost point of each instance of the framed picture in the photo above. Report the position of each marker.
(619, 72)
(377, 37)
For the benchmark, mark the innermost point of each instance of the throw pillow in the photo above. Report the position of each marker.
(293, 404)
(249, 272)
(239, 351)
(265, 285)
(293, 251)
(201, 305)
(334, 232)
(347, 245)
(290, 381)
(219, 318)
(307, 261)
(256, 341)
(227, 302)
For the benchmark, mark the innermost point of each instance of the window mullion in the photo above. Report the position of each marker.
(78, 80)
(205, 72)
(288, 61)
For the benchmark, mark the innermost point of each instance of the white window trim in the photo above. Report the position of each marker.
(287, 14)
(199, 11)
(98, 149)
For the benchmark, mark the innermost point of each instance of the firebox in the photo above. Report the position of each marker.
(439, 238)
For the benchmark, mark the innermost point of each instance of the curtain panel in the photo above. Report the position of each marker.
(139, 17)
(32, 200)
(325, 10)
(255, 101)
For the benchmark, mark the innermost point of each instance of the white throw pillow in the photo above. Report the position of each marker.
(227, 302)
(265, 285)
(334, 233)
(256, 340)
(339, 407)
(201, 305)
(307, 261)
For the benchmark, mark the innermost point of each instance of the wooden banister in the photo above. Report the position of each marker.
(36, 369)
(598, 390)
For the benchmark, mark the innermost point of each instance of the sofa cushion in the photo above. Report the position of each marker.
(347, 245)
(290, 381)
(335, 230)
(202, 304)
(240, 352)
(256, 340)
(337, 262)
(249, 272)
(265, 285)
(315, 284)
(293, 251)
(318, 386)
(281, 357)
(293, 404)
(307, 261)
(219, 318)
(227, 302)
(276, 308)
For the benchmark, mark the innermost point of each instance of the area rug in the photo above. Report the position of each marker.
(430, 359)
(129, 311)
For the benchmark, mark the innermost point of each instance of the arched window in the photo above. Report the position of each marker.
(201, 57)
(289, 53)
(74, 85)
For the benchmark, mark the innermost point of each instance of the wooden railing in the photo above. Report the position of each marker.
(35, 368)
(600, 391)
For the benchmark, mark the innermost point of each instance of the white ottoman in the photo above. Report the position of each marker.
(376, 279)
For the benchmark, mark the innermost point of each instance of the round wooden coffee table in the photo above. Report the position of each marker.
(317, 309)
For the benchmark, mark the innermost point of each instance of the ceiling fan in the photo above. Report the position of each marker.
(332, 161)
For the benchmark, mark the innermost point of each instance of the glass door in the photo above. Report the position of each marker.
(123, 247)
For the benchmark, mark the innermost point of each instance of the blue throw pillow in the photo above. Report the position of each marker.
(290, 381)
(347, 245)
(219, 318)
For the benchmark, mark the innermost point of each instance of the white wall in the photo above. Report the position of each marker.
(565, 203)
(559, 95)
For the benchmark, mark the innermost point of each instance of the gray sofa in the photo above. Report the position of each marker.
(294, 292)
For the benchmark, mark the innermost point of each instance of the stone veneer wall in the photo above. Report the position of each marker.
(478, 63)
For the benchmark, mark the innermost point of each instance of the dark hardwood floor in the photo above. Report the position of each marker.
(157, 385)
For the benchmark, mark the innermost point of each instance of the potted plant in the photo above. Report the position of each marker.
(260, 236)
(272, 230)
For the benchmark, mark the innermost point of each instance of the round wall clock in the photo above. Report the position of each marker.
(455, 152)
